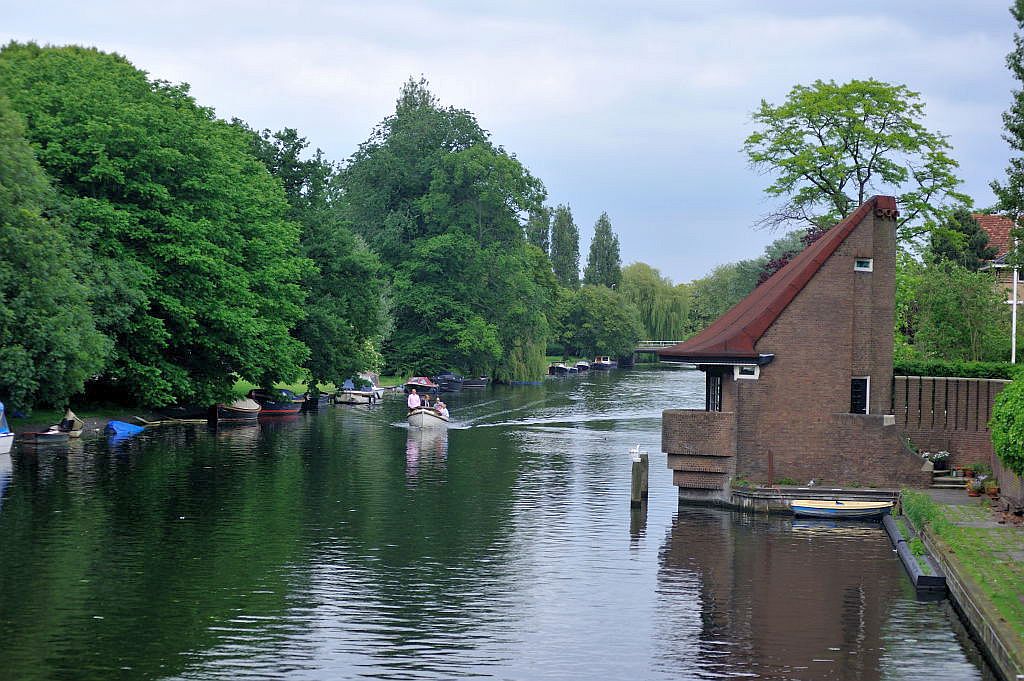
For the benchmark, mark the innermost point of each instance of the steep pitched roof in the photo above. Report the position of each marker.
(732, 336)
(998, 229)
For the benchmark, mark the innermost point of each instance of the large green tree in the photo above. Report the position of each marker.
(538, 228)
(346, 313)
(443, 205)
(565, 248)
(601, 321)
(1010, 191)
(604, 264)
(960, 239)
(49, 344)
(959, 315)
(831, 146)
(713, 295)
(193, 265)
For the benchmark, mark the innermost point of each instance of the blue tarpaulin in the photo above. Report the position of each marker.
(122, 429)
(3, 420)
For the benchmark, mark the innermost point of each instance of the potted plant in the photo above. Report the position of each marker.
(991, 487)
(974, 487)
(940, 460)
(968, 470)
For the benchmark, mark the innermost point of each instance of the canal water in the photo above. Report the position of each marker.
(342, 545)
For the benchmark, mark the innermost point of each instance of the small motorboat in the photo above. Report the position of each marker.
(422, 384)
(582, 366)
(426, 417)
(277, 401)
(350, 394)
(603, 363)
(53, 436)
(558, 369)
(6, 436)
(71, 424)
(238, 411)
(481, 382)
(836, 508)
(449, 382)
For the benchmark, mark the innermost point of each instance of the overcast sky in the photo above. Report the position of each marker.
(634, 108)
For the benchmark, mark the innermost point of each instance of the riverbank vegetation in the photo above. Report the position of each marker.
(982, 547)
(156, 254)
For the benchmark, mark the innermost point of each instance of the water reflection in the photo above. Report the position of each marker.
(425, 447)
(339, 545)
(781, 599)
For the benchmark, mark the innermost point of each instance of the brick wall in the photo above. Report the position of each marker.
(947, 413)
(701, 448)
(837, 328)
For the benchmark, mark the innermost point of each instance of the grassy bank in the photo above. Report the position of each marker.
(989, 552)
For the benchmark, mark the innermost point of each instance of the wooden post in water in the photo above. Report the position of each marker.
(638, 487)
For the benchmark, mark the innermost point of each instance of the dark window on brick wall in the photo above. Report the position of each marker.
(859, 396)
(713, 400)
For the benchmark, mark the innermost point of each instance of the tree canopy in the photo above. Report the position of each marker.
(830, 147)
(604, 265)
(960, 239)
(195, 270)
(49, 344)
(663, 308)
(565, 248)
(602, 321)
(444, 208)
(347, 311)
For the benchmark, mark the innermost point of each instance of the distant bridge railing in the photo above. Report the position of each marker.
(653, 345)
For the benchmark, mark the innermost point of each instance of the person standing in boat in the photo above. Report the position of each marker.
(426, 400)
(442, 408)
(414, 399)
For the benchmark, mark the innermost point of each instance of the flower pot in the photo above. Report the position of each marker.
(971, 492)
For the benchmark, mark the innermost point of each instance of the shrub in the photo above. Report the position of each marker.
(1007, 427)
(953, 368)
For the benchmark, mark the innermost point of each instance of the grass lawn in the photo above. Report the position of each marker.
(989, 552)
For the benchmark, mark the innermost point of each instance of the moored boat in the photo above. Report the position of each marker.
(836, 508)
(582, 366)
(6, 436)
(238, 411)
(277, 401)
(53, 436)
(558, 369)
(481, 382)
(426, 417)
(71, 424)
(603, 362)
(422, 384)
(449, 382)
(365, 394)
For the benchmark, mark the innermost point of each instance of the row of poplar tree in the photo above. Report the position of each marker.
(154, 253)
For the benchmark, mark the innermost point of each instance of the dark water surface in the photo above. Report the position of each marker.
(343, 545)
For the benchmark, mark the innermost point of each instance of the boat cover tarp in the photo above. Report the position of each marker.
(3, 419)
(123, 429)
(348, 385)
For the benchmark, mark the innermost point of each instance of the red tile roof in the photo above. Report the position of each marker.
(733, 335)
(998, 228)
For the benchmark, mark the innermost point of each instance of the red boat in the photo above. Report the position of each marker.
(422, 384)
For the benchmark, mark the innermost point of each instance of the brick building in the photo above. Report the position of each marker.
(799, 373)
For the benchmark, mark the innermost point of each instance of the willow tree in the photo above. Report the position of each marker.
(663, 307)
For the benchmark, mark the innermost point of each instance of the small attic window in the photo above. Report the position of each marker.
(863, 265)
(746, 372)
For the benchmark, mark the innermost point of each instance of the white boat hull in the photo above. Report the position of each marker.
(834, 508)
(6, 440)
(426, 418)
(354, 397)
